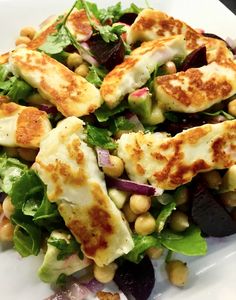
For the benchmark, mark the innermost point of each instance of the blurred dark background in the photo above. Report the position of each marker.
(231, 4)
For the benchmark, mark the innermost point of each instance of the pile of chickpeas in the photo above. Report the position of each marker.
(6, 227)
(136, 211)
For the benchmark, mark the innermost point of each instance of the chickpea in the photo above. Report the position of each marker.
(74, 60)
(232, 108)
(28, 32)
(177, 272)
(229, 199)
(170, 67)
(213, 179)
(27, 154)
(105, 274)
(82, 70)
(145, 224)
(140, 204)
(118, 197)
(117, 167)
(154, 253)
(8, 207)
(181, 196)
(6, 230)
(179, 221)
(129, 215)
(22, 40)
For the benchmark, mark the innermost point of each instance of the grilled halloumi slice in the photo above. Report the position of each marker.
(153, 24)
(136, 68)
(196, 89)
(70, 93)
(169, 162)
(22, 126)
(69, 168)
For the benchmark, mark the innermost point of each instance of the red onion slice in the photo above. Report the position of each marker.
(48, 109)
(133, 187)
(86, 56)
(138, 126)
(103, 156)
(76, 290)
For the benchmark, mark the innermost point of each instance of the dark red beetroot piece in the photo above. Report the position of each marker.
(107, 54)
(128, 18)
(195, 59)
(214, 36)
(136, 279)
(209, 215)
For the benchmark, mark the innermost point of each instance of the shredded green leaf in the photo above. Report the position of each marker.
(27, 236)
(163, 215)
(96, 75)
(141, 244)
(66, 248)
(100, 137)
(103, 113)
(218, 113)
(189, 243)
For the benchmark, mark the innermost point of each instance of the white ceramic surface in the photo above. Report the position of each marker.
(212, 277)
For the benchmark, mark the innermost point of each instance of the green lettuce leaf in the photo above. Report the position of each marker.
(96, 75)
(100, 137)
(56, 42)
(189, 243)
(120, 123)
(28, 186)
(163, 215)
(66, 248)
(11, 170)
(141, 244)
(27, 236)
(103, 113)
(47, 215)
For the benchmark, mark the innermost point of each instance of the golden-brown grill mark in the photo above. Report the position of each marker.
(8, 109)
(174, 161)
(29, 127)
(197, 93)
(79, 22)
(107, 296)
(69, 92)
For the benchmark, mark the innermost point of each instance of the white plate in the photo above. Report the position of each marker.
(212, 276)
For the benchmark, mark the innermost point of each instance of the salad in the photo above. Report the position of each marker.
(117, 147)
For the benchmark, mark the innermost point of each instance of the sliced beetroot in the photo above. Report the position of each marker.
(214, 36)
(136, 279)
(195, 59)
(128, 18)
(107, 54)
(209, 215)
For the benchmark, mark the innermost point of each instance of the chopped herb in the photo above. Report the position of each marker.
(218, 113)
(141, 244)
(100, 137)
(96, 75)
(120, 123)
(103, 113)
(66, 247)
(183, 243)
(107, 32)
(27, 236)
(163, 215)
